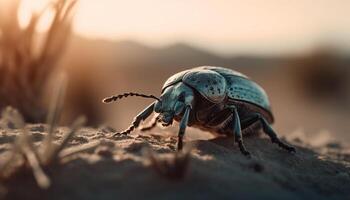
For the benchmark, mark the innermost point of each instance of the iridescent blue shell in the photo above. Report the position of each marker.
(217, 83)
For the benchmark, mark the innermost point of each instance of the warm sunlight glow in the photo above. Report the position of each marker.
(225, 26)
(27, 8)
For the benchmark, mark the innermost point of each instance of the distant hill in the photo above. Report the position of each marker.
(132, 54)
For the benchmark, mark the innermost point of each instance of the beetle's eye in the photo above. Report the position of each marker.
(157, 107)
(182, 97)
(179, 107)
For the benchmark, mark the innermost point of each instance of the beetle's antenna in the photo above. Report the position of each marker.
(128, 130)
(120, 96)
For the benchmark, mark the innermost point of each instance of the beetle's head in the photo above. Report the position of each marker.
(173, 102)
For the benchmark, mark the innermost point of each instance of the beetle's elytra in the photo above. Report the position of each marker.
(214, 99)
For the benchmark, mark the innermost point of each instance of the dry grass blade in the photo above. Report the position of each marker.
(24, 143)
(4, 168)
(68, 10)
(11, 117)
(57, 36)
(55, 111)
(78, 149)
(41, 178)
(52, 154)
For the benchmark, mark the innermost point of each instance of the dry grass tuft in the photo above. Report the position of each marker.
(27, 59)
(25, 155)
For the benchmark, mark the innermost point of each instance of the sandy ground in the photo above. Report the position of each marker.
(126, 168)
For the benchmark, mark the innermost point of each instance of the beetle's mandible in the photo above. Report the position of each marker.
(214, 99)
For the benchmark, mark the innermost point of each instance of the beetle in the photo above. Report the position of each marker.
(214, 99)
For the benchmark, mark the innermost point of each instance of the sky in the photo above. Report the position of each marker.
(222, 26)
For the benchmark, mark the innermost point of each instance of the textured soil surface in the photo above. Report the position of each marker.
(145, 166)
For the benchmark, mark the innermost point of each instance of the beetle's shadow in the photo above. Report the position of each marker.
(262, 149)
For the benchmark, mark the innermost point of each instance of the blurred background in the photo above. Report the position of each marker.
(299, 51)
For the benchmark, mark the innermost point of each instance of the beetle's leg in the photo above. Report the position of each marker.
(137, 120)
(237, 131)
(152, 124)
(182, 128)
(267, 129)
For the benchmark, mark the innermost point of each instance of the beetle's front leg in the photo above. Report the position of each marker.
(143, 115)
(237, 131)
(152, 125)
(182, 128)
(137, 120)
